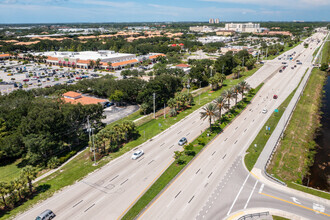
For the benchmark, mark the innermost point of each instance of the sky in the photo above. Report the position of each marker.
(67, 11)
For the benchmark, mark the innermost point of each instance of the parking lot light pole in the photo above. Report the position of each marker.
(154, 98)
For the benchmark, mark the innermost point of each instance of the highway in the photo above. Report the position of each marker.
(217, 184)
(110, 191)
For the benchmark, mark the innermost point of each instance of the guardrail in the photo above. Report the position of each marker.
(249, 216)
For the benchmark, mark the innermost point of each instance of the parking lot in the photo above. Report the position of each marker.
(28, 76)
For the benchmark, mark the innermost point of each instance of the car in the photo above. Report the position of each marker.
(275, 97)
(137, 154)
(264, 111)
(283, 62)
(280, 70)
(292, 67)
(45, 215)
(9, 74)
(299, 63)
(26, 80)
(182, 141)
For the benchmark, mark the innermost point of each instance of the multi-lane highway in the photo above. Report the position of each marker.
(217, 184)
(109, 192)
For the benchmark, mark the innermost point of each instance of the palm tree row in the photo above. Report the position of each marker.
(110, 138)
(214, 109)
(16, 190)
(179, 102)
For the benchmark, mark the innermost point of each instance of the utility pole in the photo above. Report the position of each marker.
(154, 97)
(164, 111)
(223, 66)
(89, 134)
(188, 86)
(266, 53)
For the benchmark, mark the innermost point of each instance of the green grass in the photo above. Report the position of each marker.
(263, 135)
(275, 217)
(295, 155)
(81, 165)
(173, 170)
(10, 172)
(309, 190)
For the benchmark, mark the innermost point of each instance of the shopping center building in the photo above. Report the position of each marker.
(107, 59)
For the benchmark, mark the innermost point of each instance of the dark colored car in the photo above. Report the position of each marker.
(275, 97)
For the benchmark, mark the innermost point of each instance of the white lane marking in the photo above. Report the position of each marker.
(239, 192)
(295, 200)
(318, 207)
(247, 202)
(261, 188)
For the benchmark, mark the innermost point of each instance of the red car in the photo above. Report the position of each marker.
(275, 97)
(26, 80)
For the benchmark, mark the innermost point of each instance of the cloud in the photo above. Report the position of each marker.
(280, 3)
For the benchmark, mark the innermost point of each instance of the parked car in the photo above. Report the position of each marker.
(275, 97)
(264, 111)
(45, 215)
(182, 141)
(137, 154)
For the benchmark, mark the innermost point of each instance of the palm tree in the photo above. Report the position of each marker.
(4, 190)
(97, 63)
(127, 127)
(236, 89)
(220, 102)
(19, 185)
(244, 87)
(228, 95)
(237, 70)
(109, 65)
(221, 78)
(210, 112)
(29, 173)
(214, 82)
(171, 103)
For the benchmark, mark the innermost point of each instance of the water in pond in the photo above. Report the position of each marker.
(320, 171)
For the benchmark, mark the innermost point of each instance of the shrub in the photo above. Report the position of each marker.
(66, 157)
(188, 147)
(181, 162)
(201, 141)
(173, 112)
(53, 163)
(190, 153)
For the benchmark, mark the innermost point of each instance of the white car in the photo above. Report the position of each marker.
(264, 111)
(137, 154)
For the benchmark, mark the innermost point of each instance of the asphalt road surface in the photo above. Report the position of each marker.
(109, 192)
(217, 184)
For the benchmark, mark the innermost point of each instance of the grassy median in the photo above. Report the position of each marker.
(174, 169)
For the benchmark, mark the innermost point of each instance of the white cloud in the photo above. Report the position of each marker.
(280, 3)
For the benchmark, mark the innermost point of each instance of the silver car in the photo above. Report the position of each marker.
(182, 141)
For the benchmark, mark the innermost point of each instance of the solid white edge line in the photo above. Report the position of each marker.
(239, 192)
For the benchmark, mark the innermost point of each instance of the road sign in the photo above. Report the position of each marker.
(268, 128)
(276, 110)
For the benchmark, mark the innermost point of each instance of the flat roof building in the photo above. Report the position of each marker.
(243, 27)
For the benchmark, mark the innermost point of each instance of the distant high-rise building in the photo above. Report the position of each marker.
(216, 21)
(211, 21)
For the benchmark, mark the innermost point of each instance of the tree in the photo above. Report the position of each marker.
(244, 86)
(116, 96)
(109, 65)
(236, 90)
(29, 173)
(324, 67)
(4, 190)
(220, 102)
(237, 70)
(210, 112)
(171, 103)
(19, 185)
(214, 82)
(97, 63)
(228, 95)
(91, 64)
(221, 78)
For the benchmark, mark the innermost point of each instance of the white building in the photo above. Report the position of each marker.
(211, 21)
(204, 29)
(244, 27)
(213, 39)
(217, 21)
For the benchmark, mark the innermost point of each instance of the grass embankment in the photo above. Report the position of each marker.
(263, 135)
(295, 154)
(275, 217)
(80, 166)
(173, 170)
(10, 172)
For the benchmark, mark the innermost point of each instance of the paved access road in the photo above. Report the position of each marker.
(217, 184)
(110, 191)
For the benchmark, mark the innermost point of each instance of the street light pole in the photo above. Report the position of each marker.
(200, 86)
